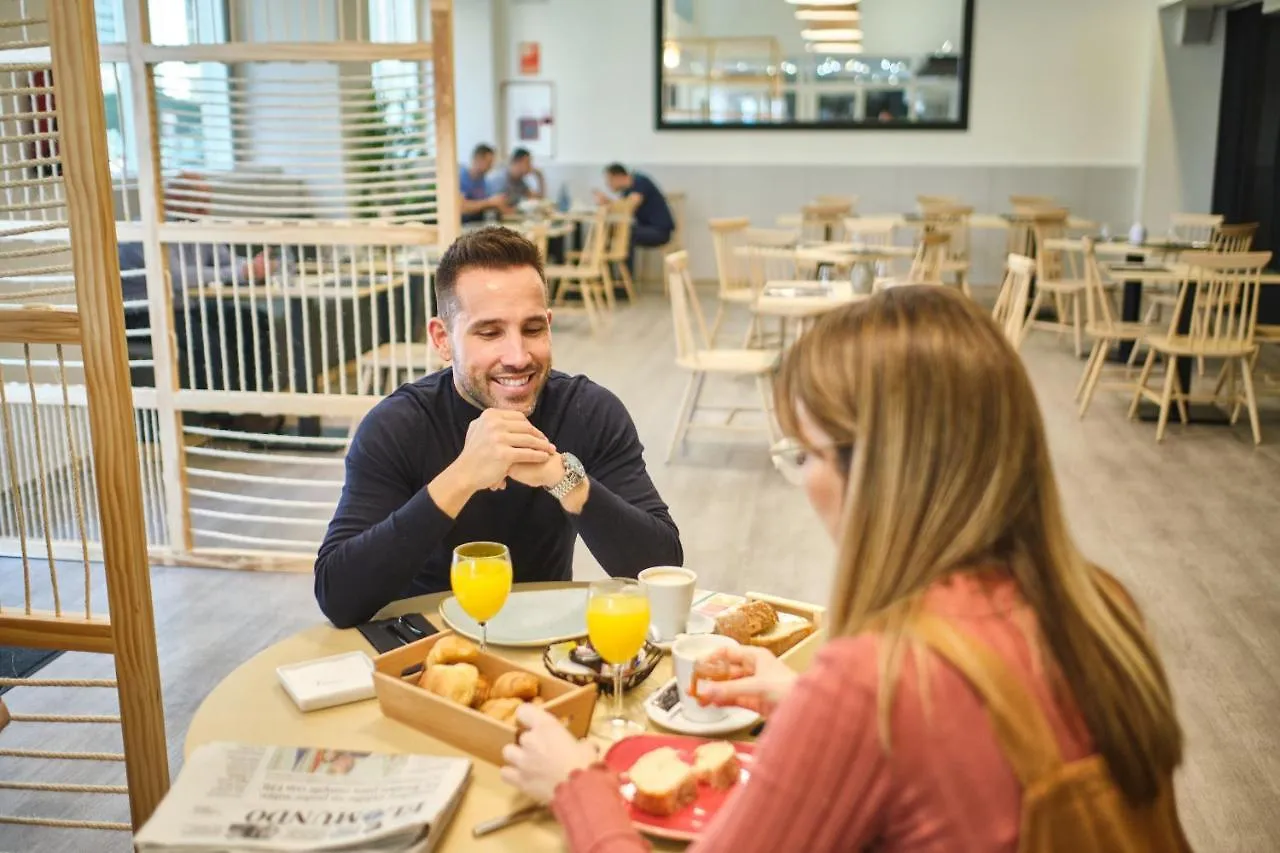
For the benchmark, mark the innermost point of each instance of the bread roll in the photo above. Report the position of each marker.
(502, 710)
(453, 649)
(515, 685)
(455, 682)
(664, 783)
(745, 620)
(716, 764)
(482, 692)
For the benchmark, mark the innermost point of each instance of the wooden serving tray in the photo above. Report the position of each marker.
(465, 728)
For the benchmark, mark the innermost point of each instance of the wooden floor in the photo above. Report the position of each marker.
(1190, 526)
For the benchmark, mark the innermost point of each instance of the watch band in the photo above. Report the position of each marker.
(574, 475)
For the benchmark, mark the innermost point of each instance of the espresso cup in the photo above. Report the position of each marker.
(687, 650)
(670, 591)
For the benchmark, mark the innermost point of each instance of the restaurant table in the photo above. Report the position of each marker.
(250, 706)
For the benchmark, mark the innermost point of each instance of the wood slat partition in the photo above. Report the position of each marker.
(91, 217)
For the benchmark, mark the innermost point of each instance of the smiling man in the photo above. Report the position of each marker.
(498, 447)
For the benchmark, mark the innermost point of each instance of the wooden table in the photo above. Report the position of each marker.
(249, 706)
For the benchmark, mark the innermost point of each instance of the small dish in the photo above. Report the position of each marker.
(557, 661)
(698, 623)
(688, 823)
(663, 711)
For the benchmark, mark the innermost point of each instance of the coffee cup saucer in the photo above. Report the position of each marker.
(698, 624)
(734, 720)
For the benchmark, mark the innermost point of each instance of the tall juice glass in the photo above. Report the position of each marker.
(617, 624)
(481, 581)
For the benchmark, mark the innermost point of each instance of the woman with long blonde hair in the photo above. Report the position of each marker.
(984, 687)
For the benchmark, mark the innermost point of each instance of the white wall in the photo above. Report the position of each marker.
(890, 27)
(1182, 122)
(1055, 82)
(475, 77)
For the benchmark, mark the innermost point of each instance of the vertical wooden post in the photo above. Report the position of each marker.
(447, 192)
(164, 352)
(83, 149)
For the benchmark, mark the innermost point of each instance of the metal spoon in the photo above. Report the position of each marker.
(518, 816)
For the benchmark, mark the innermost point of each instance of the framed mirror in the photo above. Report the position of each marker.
(813, 64)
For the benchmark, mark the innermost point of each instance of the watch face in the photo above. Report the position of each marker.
(572, 464)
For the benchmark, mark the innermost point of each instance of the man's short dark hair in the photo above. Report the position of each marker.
(616, 169)
(519, 154)
(494, 248)
(481, 150)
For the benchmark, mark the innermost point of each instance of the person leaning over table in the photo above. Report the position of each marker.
(652, 222)
(497, 447)
(473, 185)
(922, 450)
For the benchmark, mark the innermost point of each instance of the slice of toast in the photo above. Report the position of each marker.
(782, 636)
(664, 783)
(716, 764)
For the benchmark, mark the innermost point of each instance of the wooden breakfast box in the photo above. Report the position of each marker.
(458, 725)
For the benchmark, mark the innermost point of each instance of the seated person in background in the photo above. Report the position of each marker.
(473, 184)
(514, 182)
(917, 435)
(652, 220)
(498, 447)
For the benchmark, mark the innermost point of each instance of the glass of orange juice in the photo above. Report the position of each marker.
(481, 581)
(617, 624)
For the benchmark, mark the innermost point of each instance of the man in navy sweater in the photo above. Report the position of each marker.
(498, 447)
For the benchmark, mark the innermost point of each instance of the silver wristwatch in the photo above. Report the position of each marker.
(574, 474)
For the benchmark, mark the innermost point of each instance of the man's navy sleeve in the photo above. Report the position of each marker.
(385, 522)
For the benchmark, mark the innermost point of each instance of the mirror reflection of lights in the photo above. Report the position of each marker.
(831, 34)
(828, 15)
(833, 47)
(671, 56)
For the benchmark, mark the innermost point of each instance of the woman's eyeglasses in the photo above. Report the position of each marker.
(790, 456)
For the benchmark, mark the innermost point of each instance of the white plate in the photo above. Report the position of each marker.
(529, 619)
(735, 720)
(698, 624)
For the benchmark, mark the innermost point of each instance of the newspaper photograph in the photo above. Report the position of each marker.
(234, 797)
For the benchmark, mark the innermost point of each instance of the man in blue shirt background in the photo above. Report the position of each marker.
(652, 220)
(472, 183)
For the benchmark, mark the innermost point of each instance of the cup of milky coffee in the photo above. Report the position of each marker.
(670, 590)
(685, 653)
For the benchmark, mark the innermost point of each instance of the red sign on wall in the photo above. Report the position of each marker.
(530, 58)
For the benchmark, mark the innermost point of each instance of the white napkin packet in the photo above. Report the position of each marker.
(325, 682)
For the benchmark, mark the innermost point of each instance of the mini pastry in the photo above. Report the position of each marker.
(453, 649)
(515, 685)
(482, 692)
(502, 710)
(456, 682)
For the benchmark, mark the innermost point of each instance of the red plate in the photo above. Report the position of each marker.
(688, 823)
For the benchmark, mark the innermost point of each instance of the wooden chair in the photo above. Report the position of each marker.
(1234, 238)
(728, 238)
(649, 257)
(770, 255)
(1102, 325)
(930, 257)
(1025, 208)
(1223, 290)
(617, 246)
(924, 202)
(79, 438)
(695, 354)
(1010, 311)
(584, 274)
(823, 222)
(1033, 201)
(1194, 227)
(847, 201)
(952, 220)
(1058, 277)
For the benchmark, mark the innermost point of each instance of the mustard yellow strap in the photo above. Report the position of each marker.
(1024, 734)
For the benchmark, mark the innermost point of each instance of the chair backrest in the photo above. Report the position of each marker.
(595, 235)
(850, 202)
(1234, 238)
(618, 230)
(931, 252)
(1047, 226)
(728, 235)
(928, 201)
(1010, 311)
(536, 233)
(870, 230)
(823, 221)
(1097, 302)
(952, 220)
(686, 311)
(1223, 288)
(1194, 227)
(1032, 201)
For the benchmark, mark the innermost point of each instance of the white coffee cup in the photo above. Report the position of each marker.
(687, 650)
(670, 590)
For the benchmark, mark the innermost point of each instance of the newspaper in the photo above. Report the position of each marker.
(234, 798)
